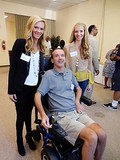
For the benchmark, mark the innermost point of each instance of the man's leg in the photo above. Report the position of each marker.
(116, 88)
(114, 104)
(90, 143)
(101, 143)
(87, 93)
(116, 95)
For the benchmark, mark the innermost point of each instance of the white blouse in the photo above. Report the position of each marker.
(32, 78)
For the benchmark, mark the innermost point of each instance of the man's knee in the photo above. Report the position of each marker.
(101, 134)
(89, 136)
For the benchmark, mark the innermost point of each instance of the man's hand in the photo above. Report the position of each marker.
(45, 122)
(97, 72)
(114, 57)
(79, 108)
(117, 58)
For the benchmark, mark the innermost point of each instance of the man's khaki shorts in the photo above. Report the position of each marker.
(72, 122)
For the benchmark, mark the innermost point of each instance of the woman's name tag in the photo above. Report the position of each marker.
(25, 57)
(74, 53)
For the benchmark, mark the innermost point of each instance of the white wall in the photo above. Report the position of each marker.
(11, 32)
(6, 7)
(111, 35)
(104, 15)
(4, 59)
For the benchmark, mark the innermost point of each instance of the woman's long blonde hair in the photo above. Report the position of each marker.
(28, 34)
(84, 48)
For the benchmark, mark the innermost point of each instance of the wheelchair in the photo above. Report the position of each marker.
(55, 146)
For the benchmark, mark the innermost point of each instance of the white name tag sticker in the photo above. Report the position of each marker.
(72, 87)
(74, 53)
(25, 57)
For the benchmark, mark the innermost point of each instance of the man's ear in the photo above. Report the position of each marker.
(52, 60)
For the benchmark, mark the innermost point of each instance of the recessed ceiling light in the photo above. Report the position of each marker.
(5, 16)
(54, 0)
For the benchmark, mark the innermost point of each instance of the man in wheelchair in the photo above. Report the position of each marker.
(59, 84)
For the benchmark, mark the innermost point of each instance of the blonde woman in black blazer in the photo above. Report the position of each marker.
(26, 64)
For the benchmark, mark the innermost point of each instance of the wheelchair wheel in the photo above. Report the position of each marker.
(49, 153)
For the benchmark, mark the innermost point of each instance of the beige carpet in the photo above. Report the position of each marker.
(107, 118)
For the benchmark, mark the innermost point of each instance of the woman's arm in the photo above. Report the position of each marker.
(18, 48)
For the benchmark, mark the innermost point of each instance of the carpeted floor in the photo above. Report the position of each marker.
(106, 118)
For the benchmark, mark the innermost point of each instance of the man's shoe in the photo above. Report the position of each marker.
(109, 106)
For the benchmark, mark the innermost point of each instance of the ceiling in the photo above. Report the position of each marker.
(48, 4)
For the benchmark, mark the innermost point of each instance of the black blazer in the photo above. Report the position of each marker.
(19, 68)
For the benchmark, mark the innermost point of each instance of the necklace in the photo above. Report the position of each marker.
(35, 62)
(77, 63)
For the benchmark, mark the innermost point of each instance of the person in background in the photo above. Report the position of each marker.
(79, 56)
(62, 44)
(59, 83)
(93, 31)
(48, 45)
(108, 69)
(24, 76)
(115, 56)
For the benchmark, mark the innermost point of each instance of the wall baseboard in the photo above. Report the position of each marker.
(5, 66)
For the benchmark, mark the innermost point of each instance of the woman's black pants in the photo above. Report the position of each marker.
(24, 106)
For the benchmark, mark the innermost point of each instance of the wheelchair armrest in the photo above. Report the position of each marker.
(86, 100)
(57, 130)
